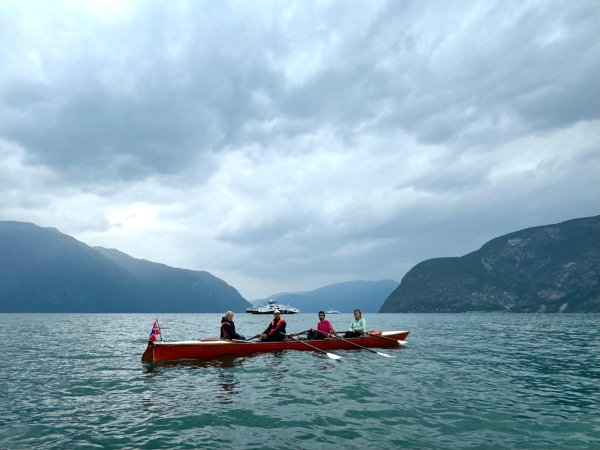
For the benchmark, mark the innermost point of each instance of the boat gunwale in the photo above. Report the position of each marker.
(207, 349)
(217, 341)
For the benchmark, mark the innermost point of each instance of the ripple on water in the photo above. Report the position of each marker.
(477, 381)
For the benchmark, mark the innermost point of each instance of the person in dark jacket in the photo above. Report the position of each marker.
(228, 328)
(276, 329)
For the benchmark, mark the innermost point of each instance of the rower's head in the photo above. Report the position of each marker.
(357, 314)
(229, 315)
(277, 314)
(321, 315)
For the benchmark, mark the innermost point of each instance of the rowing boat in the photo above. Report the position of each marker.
(215, 347)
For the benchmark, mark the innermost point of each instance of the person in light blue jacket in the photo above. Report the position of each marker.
(358, 327)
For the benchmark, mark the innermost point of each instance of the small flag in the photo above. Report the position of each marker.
(155, 332)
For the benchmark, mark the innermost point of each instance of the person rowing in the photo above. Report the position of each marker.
(324, 328)
(358, 326)
(276, 329)
(228, 328)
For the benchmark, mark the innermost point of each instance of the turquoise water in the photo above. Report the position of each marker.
(463, 381)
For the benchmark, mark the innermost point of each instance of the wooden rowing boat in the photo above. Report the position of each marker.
(214, 347)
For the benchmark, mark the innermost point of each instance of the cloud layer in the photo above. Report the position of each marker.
(289, 145)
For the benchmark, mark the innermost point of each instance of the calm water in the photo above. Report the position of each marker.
(463, 381)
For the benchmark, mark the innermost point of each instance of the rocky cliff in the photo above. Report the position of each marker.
(554, 268)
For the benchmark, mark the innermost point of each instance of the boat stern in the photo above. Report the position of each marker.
(148, 355)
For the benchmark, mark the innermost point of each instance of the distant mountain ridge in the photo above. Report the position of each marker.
(368, 296)
(183, 290)
(553, 268)
(44, 270)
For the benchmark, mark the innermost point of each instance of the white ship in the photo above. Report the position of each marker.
(272, 306)
(332, 311)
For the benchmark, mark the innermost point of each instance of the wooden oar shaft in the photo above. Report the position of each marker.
(348, 342)
(311, 346)
(382, 337)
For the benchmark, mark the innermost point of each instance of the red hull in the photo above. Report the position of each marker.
(213, 348)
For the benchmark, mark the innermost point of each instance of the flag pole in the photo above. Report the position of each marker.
(160, 332)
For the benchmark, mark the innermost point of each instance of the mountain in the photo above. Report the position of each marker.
(44, 270)
(345, 297)
(553, 268)
(183, 290)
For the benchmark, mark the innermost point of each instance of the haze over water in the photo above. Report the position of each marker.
(463, 381)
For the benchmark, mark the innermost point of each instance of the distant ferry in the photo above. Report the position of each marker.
(272, 306)
(332, 311)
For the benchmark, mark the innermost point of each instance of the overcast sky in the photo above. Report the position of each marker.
(284, 146)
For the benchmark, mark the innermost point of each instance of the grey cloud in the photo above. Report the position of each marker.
(269, 230)
(463, 80)
(131, 111)
(450, 225)
(148, 113)
(491, 67)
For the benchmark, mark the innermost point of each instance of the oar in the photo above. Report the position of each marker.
(331, 355)
(389, 339)
(242, 340)
(360, 346)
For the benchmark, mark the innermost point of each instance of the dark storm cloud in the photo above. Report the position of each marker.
(153, 93)
(126, 105)
(475, 64)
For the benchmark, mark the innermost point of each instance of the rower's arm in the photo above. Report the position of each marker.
(352, 324)
(279, 327)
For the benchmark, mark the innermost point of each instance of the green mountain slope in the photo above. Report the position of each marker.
(43, 270)
(181, 290)
(554, 268)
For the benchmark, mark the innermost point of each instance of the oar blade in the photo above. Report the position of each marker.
(386, 355)
(333, 356)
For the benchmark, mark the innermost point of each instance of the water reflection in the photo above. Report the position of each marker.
(223, 362)
(222, 366)
(228, 383)
(279, 365)
(152, 370)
